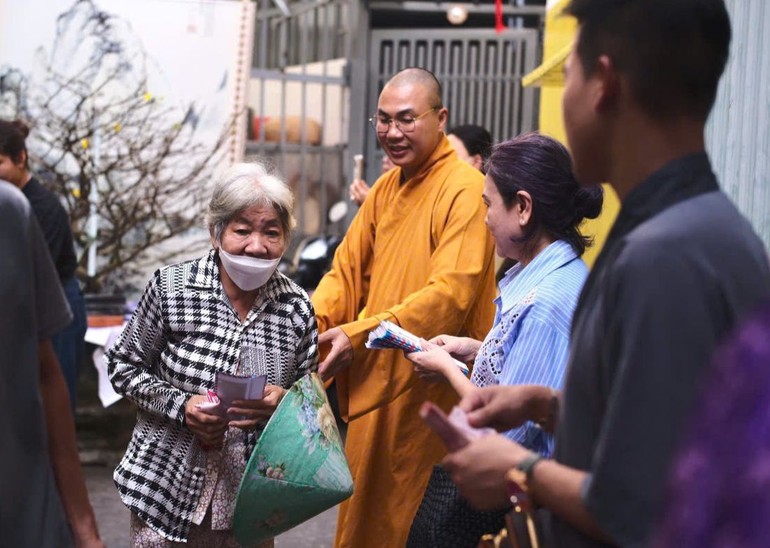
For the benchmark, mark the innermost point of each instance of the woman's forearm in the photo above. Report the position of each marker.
(457, 379)
(147, 391)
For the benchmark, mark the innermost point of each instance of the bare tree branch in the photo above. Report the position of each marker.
(150, 176)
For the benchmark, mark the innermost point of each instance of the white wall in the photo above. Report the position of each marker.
(738, 132)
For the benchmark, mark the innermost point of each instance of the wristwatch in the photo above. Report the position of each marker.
(520, 522)
(518, 478)
(527, 464)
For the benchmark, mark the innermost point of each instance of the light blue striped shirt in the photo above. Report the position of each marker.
(529, 341)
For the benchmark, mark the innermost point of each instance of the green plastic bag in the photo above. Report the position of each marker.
(298, 468)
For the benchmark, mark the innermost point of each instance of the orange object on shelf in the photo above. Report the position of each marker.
(105, 321)
(273, 126)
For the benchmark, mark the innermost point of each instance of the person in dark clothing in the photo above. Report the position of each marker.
(44, 501)
(54, 222)
(680, 268)
(473, 144)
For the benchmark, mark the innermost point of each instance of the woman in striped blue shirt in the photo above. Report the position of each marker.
(534, 209)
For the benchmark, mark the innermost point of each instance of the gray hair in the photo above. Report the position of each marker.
(242, 186)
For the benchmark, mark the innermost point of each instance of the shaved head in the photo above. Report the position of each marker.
(410, 108)
(419, 77)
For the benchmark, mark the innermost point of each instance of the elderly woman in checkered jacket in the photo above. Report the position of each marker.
(181, 471)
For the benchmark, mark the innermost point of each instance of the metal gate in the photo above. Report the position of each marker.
(299, 95)
(480, 72)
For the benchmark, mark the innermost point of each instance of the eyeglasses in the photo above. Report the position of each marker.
(381, 124)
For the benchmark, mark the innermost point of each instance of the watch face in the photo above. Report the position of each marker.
(516, 481)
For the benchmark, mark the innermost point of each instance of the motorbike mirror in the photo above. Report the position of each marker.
(338, 211)
(315, 249)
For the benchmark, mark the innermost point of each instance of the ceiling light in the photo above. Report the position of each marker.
(457, 14)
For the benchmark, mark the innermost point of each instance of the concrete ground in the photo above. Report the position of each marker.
(113, 517)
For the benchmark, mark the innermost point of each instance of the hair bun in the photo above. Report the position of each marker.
(588, 202)
(21, 127)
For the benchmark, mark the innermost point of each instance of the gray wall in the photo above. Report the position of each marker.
(738, 132)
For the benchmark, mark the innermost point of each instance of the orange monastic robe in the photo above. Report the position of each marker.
(418, 254)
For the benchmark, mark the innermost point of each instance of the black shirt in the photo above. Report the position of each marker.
(680, 266)
(55, 223)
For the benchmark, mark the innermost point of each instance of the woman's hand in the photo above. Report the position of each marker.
(256, 412)
(461, 348)
(432, 363)
(207, 425)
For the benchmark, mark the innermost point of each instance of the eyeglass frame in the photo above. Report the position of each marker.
(374, 121)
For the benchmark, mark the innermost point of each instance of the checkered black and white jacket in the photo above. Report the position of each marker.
(182, 333)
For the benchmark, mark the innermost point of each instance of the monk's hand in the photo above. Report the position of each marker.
(461, 348)
(253, 413)
(339, 357)
(431, 363)
(208, 425)
(479, 469)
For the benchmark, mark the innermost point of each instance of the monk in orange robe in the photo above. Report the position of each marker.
(418, 254)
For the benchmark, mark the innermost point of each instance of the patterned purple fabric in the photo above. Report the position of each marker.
(720, 483)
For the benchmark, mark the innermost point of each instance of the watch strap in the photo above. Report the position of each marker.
(527, 464)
